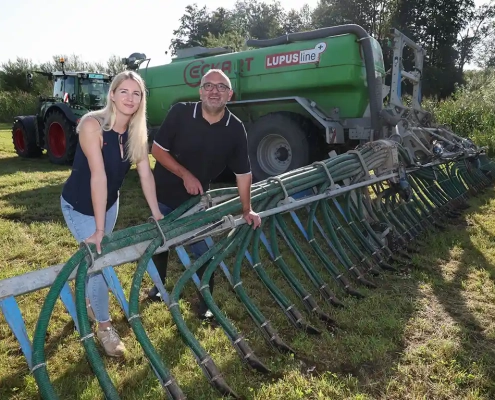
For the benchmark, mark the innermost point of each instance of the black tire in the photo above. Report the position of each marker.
(60, 138)
(277, 143)
(24, 141)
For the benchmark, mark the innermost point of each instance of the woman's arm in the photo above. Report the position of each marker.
(90, 139)
(148, 185)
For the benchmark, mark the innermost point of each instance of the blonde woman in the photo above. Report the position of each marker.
(110, 141)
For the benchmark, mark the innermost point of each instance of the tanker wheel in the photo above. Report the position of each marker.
(24, 141)
(277, 144)
(60, 138)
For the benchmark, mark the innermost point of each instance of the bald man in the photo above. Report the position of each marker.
(195, 143)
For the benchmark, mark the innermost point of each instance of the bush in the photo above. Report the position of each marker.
(470, 111)
(16, 103)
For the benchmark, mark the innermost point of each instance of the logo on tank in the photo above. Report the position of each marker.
(296, 57)
(197, 68)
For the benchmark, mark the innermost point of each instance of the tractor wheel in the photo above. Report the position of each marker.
(25, 141)
(277, 144)
(60, 138)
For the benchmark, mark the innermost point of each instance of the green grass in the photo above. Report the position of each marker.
(426, 333)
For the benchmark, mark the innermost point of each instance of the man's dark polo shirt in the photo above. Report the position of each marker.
(203, 149)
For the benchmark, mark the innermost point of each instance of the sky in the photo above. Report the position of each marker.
(97, 29)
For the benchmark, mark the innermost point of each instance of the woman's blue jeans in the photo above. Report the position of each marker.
(82, 227)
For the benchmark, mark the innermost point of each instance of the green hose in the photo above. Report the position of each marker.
(87, 336)
(241, 346)
(39, 370)
(304, 295)
(308, 267)
(167, 381)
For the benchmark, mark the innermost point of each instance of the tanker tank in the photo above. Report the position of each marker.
(328, 71)
(300, 96)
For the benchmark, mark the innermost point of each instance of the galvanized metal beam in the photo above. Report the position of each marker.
(40, 279)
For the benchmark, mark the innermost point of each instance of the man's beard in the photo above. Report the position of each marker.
(214, 109)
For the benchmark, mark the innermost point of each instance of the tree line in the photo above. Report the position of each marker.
(13, 72)
(454, 33)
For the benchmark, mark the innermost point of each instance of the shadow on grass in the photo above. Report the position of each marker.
(42, 204)
(449, 288)
(14, 164)
(462, 294)
(35, 205)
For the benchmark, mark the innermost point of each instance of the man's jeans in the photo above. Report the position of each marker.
(82, 227)
(198, 249)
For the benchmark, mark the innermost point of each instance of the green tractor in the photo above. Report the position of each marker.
(53, 127)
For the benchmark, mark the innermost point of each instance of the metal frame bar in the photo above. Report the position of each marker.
(401, 41)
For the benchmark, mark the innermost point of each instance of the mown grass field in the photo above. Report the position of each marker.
(425, 333)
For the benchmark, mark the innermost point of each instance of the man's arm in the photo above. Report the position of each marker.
(163, 156)
(163, 143)
(244, 186)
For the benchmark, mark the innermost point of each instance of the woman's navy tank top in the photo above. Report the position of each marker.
(77, 188)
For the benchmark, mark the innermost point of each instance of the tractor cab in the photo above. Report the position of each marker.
(94, 90)
(64, 87)
(85, 89)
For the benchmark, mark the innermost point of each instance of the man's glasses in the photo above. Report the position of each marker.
(220, 87)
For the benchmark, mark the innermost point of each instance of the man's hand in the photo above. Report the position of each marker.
(252, 218)
(192, 184)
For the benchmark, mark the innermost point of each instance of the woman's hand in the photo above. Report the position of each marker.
(96, 239)
(158, 216)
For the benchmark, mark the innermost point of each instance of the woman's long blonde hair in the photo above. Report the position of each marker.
(137, 144)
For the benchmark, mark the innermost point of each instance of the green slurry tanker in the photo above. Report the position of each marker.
(302, 95)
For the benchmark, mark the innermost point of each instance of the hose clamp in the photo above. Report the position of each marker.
(279, 181)
(164, 239)
(322, 164)
(84, 245)
(228, 221)
(38, 366)
(361, 160)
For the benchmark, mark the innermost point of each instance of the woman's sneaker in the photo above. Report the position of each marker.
(208, 315)
(110, 340)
